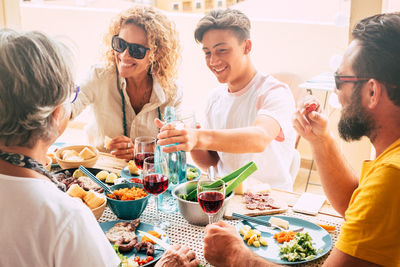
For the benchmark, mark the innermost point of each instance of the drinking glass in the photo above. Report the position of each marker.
(155, 182)
(144, 147)
(211, 196)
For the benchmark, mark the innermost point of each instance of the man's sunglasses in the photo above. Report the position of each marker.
(340, 79)
(135, 50)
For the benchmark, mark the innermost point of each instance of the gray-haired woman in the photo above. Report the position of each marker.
(40, 225)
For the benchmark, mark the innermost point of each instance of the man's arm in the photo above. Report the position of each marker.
(252, 139)
(338, 258)
(337, 177)
(204, 158)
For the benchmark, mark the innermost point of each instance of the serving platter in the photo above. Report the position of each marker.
(321, 240)
(145, 227)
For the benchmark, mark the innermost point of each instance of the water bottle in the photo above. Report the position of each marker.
(177, 168)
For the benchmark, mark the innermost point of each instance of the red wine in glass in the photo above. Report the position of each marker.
(155, 183)
(211, 201)
(139, 158)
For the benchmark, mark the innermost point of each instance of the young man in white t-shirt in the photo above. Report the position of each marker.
(248, 117)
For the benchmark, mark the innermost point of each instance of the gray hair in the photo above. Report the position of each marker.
(35, 78)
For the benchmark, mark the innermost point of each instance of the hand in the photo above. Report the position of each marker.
(178, 256)
(122, 147)
(170, 134)
(223, 245)
(312, 126)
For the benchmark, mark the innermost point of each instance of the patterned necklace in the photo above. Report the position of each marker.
(124, 123)
(29, 163)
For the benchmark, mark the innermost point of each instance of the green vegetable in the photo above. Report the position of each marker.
(121, 257)
(191, 173)
(239, 175)
(298, 249)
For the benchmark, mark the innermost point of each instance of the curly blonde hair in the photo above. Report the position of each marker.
(163, 41)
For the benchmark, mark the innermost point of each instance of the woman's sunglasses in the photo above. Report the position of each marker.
(135, 50)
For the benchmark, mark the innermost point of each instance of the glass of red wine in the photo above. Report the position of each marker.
(155, 182)
(211, 196)
(144, 147)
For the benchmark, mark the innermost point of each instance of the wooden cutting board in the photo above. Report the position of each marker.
(237, 204)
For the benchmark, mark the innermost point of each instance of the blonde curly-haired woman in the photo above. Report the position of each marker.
(136, 82)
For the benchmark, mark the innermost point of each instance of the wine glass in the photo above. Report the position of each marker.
(144, 147)
(211, 195)
(155, 182)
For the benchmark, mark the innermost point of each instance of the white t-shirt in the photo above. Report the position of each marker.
(99, 89)
(264, 95)
(42, 226)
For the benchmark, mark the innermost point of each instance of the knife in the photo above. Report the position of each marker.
(262, 222)
(251, 219)
(158, 241)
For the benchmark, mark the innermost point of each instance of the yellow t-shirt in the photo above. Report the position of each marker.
(372, 228)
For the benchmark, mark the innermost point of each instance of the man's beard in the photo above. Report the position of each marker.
(355, 121)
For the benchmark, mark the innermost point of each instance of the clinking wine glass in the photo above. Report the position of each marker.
(144, 147)
(155, 182)
(211, 196)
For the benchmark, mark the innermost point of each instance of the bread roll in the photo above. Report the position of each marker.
(87, 153)
(76, 191)
(92, 200)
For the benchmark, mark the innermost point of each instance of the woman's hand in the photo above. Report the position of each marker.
(310, 124)
(122, 147)
(223, 245)
(178, 256)
(173, 133)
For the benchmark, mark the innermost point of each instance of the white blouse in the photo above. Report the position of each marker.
(99, 89)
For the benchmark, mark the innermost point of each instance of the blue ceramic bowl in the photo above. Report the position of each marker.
(127, 209)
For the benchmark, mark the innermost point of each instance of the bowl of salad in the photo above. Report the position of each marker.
(192, 172)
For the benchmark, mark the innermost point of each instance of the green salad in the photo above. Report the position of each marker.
(191, 173)
(298, 249)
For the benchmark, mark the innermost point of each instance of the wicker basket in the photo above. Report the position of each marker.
(67, 164)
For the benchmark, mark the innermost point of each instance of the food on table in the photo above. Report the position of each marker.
(261, 201)
(136, 180)
(279, 222)
(87, 153)
(123, 234)
(310, 107)
(298, 249)
(107, 142)
(111, 177)
(191, 173)
(144, 260)
(257, 188)
(78, 173)
(85, 182)
(133, 169)
(252, 236)
(284, 236)
(329, 228)
(102, 175)
(153, 233)
(53, 157)
(68, 154)
(128, 193)
(73, 155)
(89, 198)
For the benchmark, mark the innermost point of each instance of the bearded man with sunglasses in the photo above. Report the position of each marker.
(136, 82)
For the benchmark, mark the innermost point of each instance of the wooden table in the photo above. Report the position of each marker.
(180, 231)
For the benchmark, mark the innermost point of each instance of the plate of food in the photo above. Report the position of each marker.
(130, 244)
(192, 172)
(287, 247)
(75, 176)
(130, 171)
